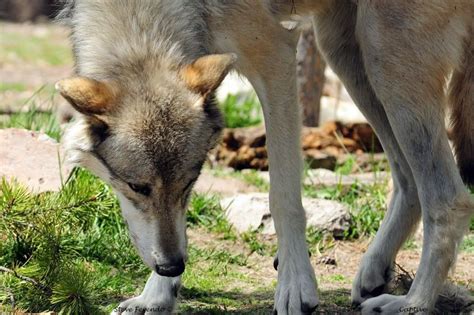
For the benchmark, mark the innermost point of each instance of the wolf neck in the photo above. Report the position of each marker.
(113, 36)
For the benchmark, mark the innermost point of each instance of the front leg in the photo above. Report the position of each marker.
(272, 71)
(158, 297)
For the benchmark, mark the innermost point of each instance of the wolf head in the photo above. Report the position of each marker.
(148, 138)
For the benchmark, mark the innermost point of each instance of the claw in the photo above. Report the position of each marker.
(306, 309)
(375, 292)
(275, 263)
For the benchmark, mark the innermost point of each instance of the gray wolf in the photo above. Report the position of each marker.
(146, 74)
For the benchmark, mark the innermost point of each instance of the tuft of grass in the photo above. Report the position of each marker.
(34, 118)
(255, 244)
(74, 293)
(207, 212)
(12, 86)
(19, 47)
(467, 244)
(241, 111)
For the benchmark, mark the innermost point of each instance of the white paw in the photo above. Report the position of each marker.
(296, 289)
(391, 304)
(158, 297)
(371, 279)
(139, 305)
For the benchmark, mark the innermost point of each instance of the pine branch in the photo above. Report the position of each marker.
(27, 279)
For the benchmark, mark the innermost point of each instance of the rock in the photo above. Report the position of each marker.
(228, 186)
(246, 211)
(33, 159)
(324, 177)
(317, 159)
(250, 211)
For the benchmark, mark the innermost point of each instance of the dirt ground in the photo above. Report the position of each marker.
(334, 280)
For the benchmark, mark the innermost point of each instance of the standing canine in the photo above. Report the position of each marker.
(146, 75)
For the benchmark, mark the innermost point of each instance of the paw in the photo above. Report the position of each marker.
(296, 289)
(391, 304)
(139, 306)
(371, 279)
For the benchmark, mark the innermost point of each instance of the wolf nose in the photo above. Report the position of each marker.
(170, 270)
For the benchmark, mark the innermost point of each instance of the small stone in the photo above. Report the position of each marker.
(317, 159)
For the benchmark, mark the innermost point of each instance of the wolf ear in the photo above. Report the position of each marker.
(87, 96)
(206, 73)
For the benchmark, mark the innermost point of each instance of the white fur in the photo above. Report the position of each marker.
(157, 297)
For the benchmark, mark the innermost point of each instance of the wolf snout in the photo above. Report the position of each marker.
(170, 269)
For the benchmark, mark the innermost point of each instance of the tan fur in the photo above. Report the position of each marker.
(86, 95)
(206, 73)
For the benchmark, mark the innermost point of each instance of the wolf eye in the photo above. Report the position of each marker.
(141, 189)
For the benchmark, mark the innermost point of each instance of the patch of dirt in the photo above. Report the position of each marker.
(34, 73)
(334, 280)
(227, 186)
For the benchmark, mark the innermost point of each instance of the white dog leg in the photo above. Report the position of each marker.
(158, 297)
(296, 289)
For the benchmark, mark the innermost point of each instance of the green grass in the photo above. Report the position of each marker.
(34, 119)
(241, 111)
(467, 244)
(12, 86)
(33, 49)
(38, 121)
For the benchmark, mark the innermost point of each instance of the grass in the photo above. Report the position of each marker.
(12, 86)
(18, 47)
(33, 118)
(241, 111)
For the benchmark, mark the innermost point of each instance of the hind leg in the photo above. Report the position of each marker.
(407, 70)
(336, 39)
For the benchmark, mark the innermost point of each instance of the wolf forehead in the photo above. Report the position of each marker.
(160, 138)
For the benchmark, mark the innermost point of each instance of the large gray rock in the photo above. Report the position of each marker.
(250, 211)
(33, 159)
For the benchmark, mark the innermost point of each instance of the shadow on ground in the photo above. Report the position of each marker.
(195, 301)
